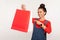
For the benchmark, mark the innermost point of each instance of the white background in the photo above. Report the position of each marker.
(7, 12)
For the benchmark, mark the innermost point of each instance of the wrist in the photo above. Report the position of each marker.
(43, 26)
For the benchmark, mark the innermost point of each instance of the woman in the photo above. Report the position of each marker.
(41, 25)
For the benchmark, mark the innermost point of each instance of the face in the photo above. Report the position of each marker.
(41, 13)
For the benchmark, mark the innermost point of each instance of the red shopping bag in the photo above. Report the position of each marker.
(21, 20)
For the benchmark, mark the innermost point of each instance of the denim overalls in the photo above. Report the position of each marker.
(39, 33)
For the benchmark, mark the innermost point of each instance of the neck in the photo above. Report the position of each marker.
(42, 19)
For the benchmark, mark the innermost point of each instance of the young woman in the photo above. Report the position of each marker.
(41, 25)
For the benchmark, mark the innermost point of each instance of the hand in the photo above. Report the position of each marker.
(39, 23)
(23, 7)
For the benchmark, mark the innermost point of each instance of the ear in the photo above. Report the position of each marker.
(45, 13)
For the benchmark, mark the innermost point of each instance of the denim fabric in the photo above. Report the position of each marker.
(38, 33)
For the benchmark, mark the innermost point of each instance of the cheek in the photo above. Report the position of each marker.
(41, 14)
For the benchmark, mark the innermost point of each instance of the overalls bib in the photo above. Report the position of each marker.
(39, 33)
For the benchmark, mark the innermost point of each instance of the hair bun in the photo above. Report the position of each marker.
(42, 5)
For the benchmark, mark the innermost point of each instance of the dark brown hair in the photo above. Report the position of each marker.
(42, 6)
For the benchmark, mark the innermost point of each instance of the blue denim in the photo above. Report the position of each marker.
(38, 33)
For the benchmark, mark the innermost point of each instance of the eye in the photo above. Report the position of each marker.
(40, 12)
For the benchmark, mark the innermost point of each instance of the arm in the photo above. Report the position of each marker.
(48, 28)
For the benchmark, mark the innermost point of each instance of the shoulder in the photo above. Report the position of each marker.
(48, 21)
(34, 19)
